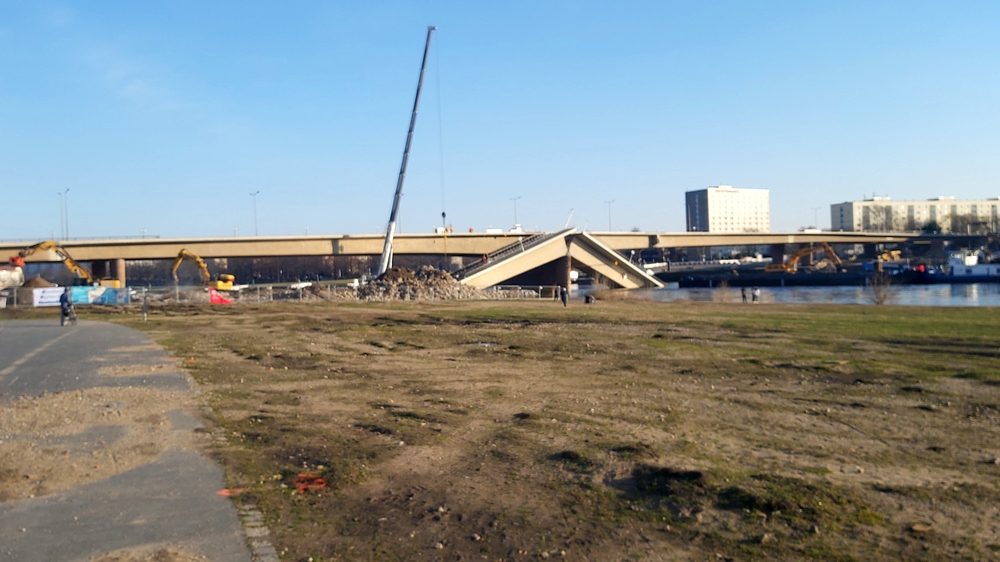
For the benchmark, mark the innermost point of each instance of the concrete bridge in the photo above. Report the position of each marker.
(506, 257)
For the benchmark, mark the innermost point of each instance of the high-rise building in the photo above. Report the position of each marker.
(941, 214)
(725, 208)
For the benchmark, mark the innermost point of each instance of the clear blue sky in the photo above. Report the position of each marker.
(166, 116)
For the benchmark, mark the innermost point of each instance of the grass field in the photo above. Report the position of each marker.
(619, 431)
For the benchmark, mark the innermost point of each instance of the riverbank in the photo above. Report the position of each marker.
(525, 430)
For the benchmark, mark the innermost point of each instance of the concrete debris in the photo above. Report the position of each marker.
(426, 283)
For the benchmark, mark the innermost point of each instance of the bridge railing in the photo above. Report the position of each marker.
(491, 259)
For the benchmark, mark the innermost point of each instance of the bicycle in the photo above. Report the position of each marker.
(68, 315)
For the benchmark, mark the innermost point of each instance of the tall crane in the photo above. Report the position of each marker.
(386, 262)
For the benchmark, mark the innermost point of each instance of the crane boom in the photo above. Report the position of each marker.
(386, 262)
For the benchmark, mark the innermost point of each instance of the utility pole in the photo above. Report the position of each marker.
(609, 213)
(386, 262)
(816, 216)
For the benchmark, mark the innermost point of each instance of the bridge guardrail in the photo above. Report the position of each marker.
(491, 259)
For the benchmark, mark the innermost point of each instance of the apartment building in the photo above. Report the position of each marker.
(725, 208)
(941, 214)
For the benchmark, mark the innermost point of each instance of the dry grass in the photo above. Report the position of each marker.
(624, 429)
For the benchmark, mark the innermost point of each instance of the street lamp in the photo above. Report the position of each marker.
(254, 195)
(514, 199)
(62, 218)
(65, 202)
(609, 213)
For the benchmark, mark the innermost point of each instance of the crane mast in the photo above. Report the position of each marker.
(386, 262)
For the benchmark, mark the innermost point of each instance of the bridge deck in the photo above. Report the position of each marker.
(464, 244)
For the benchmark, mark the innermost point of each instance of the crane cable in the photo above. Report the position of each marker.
(437, 76)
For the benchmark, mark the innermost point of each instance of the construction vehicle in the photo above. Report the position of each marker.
(792, 264)
(84, 278)
(891, 255)
(13, 275)
(224, 282)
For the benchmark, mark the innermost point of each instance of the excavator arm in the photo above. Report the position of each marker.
(206, 277)
(832, 256)
(76, 268)
(792, 265)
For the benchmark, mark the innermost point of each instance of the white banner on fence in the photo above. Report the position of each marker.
(48, 296)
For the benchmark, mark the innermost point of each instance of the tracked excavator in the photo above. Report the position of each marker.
(83, 276)
(224, 282)
(792, 265)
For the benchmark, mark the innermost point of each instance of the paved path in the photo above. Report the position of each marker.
(169, 503)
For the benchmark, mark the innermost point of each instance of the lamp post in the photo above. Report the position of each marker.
(514, 199)
(62, 218)
(609, 213)
(254, 195)
(65, 201)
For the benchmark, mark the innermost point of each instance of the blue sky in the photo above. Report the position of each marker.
(163, 117)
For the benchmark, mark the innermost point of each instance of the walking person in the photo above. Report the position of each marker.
(564, 295)
(755, 294)
(743, 293)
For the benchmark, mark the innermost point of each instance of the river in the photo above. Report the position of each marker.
(975, 294)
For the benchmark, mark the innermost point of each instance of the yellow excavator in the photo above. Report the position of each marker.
(223, 283)
(84, 276)
(792, 265)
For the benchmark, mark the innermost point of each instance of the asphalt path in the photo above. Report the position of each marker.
(169, 503)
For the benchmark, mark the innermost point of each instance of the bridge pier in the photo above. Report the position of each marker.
(118, 271)
(777, 253)
(104, 269)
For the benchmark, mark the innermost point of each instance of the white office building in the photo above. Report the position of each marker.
(943, 214)
(725, 208)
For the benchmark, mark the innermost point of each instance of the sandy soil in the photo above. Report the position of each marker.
(58, 441)
(150, 555)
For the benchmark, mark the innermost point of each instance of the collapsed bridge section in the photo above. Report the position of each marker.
(549, 258)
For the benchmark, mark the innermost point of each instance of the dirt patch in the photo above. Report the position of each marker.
(59, 441)
(132, 370)
(523, 430)
(150, 555)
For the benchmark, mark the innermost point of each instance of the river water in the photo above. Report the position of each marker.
(975, 294)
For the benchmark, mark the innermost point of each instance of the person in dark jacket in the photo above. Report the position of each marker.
(65, 307)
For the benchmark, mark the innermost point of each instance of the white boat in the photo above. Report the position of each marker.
(966, 265)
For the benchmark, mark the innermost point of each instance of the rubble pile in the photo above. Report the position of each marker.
(38, 283)
(427, 283)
